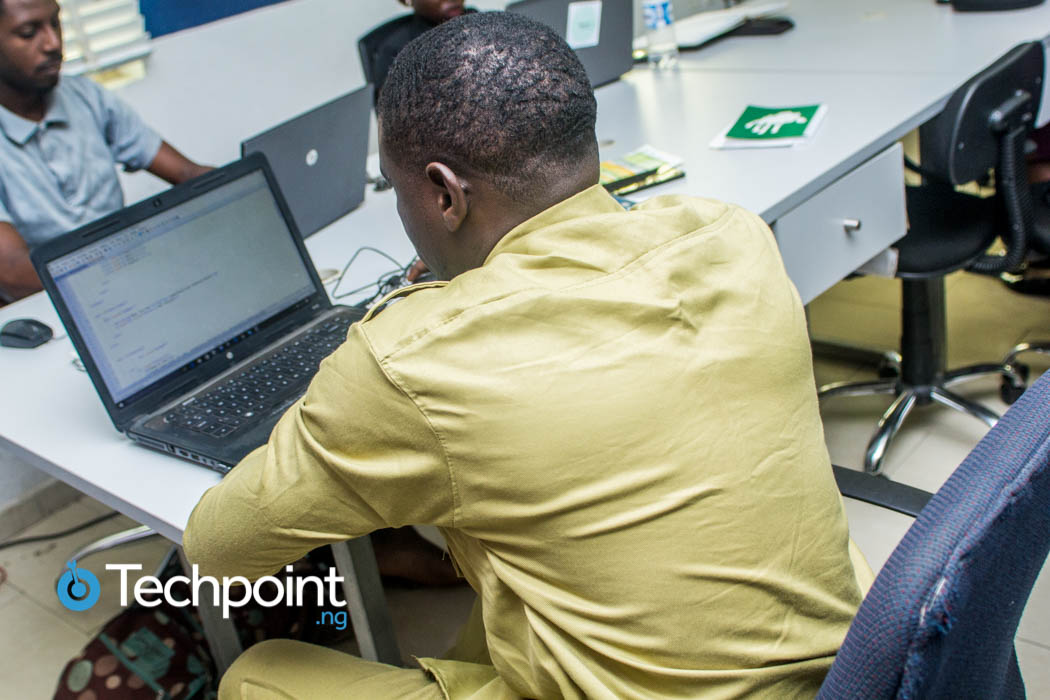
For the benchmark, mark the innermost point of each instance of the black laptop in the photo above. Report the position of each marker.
(319, 158)
(197, 313)
(600, 31)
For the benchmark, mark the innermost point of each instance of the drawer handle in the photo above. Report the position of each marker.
(851, 225)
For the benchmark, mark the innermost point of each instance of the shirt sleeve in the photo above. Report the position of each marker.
(5, 215)
(131, 141)
(355, 454)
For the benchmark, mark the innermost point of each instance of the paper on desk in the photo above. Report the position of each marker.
(771, 127)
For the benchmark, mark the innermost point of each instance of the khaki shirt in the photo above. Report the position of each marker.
(614, 422)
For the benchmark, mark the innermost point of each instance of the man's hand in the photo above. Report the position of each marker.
(418, 269)
(17, 277)
(174, 167)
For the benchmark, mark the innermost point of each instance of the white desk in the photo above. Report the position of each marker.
(53, 419)
(892, 36)
(791, 188)
(52, 416)
(680, 112)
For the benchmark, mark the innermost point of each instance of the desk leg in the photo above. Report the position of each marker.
(356, 563)
(218, 632)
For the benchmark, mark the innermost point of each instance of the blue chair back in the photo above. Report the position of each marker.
(940, 619)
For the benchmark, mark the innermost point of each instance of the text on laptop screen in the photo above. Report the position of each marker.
(168, 290)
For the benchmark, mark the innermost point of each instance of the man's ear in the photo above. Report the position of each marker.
(452, 193)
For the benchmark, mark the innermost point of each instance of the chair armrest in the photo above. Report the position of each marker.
(880, 491)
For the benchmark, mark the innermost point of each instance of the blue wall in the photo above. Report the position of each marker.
(167, 16)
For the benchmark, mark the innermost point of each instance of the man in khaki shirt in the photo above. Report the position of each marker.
(610, 415)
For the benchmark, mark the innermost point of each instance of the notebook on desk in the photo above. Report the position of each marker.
(600, 32)
(198, 313)
(319, 159)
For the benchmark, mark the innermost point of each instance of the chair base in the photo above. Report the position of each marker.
(117, 539)
(1013, 386)
(908, 397)
(886, 362)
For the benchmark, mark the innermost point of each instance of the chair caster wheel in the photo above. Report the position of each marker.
(888, 370)
(1010, 392)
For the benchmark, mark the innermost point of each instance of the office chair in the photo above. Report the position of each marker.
(983, 126)
(368, 44)
(940, 618)
(1039, 241)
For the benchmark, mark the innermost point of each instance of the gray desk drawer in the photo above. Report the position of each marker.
(844, 225)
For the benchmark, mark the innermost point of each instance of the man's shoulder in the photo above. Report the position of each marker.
(697, 212)
(670, 231)
(413, 315)
(81, 92)
(683, 216)
(80, 87)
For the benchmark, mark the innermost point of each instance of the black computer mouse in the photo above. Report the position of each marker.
(25, 333)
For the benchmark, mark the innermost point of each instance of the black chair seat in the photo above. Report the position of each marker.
(947, 231)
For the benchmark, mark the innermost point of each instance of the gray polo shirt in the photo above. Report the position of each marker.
(58, 174)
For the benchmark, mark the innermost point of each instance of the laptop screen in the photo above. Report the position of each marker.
(172, 290)
(601, 32)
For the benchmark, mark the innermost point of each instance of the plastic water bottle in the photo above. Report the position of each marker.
(659, 26)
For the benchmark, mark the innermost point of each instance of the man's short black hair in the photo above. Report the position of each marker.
(494, 93)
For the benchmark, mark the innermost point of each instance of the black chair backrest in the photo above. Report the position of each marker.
(959, 143)
(369, 43)
(984, 126)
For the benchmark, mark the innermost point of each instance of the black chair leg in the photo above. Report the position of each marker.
(923, 378)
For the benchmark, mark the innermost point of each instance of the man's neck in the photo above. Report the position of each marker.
(28, 105)
(501, 214)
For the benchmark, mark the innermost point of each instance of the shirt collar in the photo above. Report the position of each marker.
(20, 130)
(593, 200)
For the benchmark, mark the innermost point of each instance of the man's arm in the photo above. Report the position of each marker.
(174, 167)
(354, 455)
(17, 277)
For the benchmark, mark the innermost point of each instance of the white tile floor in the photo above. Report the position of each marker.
(37, 635)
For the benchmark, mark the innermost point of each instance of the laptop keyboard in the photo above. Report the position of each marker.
(266, 384)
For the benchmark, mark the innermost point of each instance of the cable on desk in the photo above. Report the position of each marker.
(384, 284)
(55, 536)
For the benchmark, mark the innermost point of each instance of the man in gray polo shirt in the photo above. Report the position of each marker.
(59, 142)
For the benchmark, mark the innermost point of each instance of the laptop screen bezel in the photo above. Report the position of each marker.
(124, 413)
